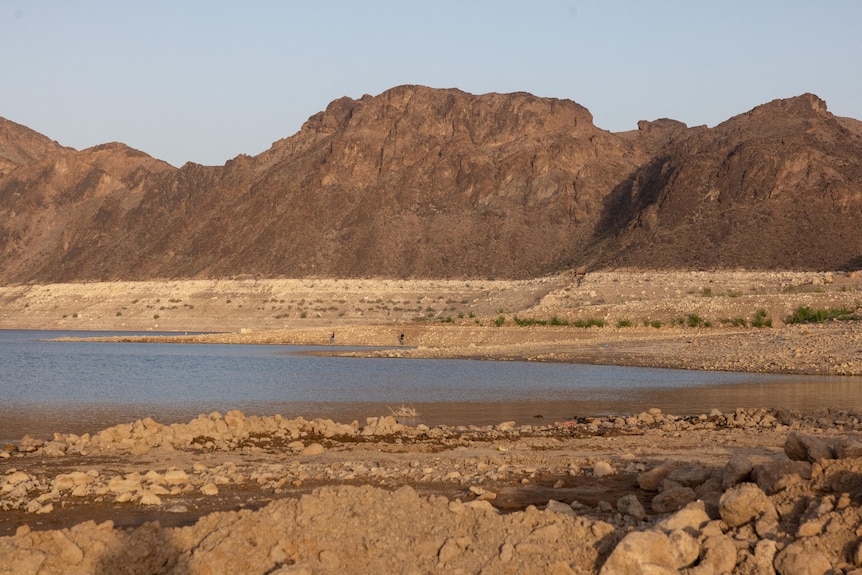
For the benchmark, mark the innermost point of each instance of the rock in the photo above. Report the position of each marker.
(652, 479)
(209, 489)
(736, 470)
(800, 447)
(798, 559)
(672, 499)
(743, 503)
(69, 552)
(313, 449)
(718, 555)
(150, 498)
(777, 475)
(603, 469)
(121, 485)
(685, 549)
(176, 477)
(560, 507)
(848, 449)
(690, 519)
(630, 505)
(641, 553)
(764, 556)
(690, 475)
(17, 477)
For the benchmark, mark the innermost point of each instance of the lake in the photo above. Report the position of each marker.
(79, 387)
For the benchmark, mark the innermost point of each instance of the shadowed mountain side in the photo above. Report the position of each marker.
(421, 182)
(777, 187)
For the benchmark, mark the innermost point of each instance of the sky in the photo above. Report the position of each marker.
(207, 80)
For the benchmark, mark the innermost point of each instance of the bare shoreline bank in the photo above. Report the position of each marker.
(684, 320)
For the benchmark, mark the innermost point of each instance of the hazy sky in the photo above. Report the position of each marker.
(206, 80)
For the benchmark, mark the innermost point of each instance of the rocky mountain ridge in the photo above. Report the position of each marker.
(429, 183)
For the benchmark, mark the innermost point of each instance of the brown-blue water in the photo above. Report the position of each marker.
(79, 387)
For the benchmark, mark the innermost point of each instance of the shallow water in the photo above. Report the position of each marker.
(79, 387)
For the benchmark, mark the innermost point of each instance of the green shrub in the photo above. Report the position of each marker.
(655, 323)
(706, 292)
(557, 321)
(592, 322)
(694, 320)
(805, 314)
(624, 323)
(528, 321)
(500, 320)
(761, 319)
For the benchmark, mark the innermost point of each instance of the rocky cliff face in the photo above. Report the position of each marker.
(779, 186)
(419, 182)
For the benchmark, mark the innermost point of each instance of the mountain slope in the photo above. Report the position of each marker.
(777, 187)
(421, 182)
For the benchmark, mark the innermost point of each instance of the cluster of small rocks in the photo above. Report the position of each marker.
(796, 513)
(234, 430)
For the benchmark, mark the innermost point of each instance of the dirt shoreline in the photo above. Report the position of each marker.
(267, 494)
(688, 320)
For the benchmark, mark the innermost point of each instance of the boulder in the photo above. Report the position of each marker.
(642, 553)
(690, 519)
(777, 475)
(743, 503)
(672, 499)
(651, 480)
(801, 447)
(736, 470)
(690, 475)
(630, 505)
(798, 559)
(603, 469)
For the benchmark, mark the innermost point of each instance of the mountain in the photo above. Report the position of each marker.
(777, 187)
(422, 182)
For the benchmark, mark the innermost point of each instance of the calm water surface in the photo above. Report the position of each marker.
(48, 387)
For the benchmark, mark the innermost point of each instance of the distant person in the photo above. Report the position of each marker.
(332, 339)
(401, 339)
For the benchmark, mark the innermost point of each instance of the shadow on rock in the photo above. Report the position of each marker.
(147, 550)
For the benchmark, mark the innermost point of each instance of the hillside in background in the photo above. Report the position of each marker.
(428, 183)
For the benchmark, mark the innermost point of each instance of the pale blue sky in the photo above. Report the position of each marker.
(206, 80)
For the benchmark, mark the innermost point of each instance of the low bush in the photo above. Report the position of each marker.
(805, 314)
(592, 322)
(528, 321)
(761, 319)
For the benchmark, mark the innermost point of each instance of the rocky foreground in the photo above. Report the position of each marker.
(751, 491)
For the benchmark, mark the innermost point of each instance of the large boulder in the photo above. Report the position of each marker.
(743, 503)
